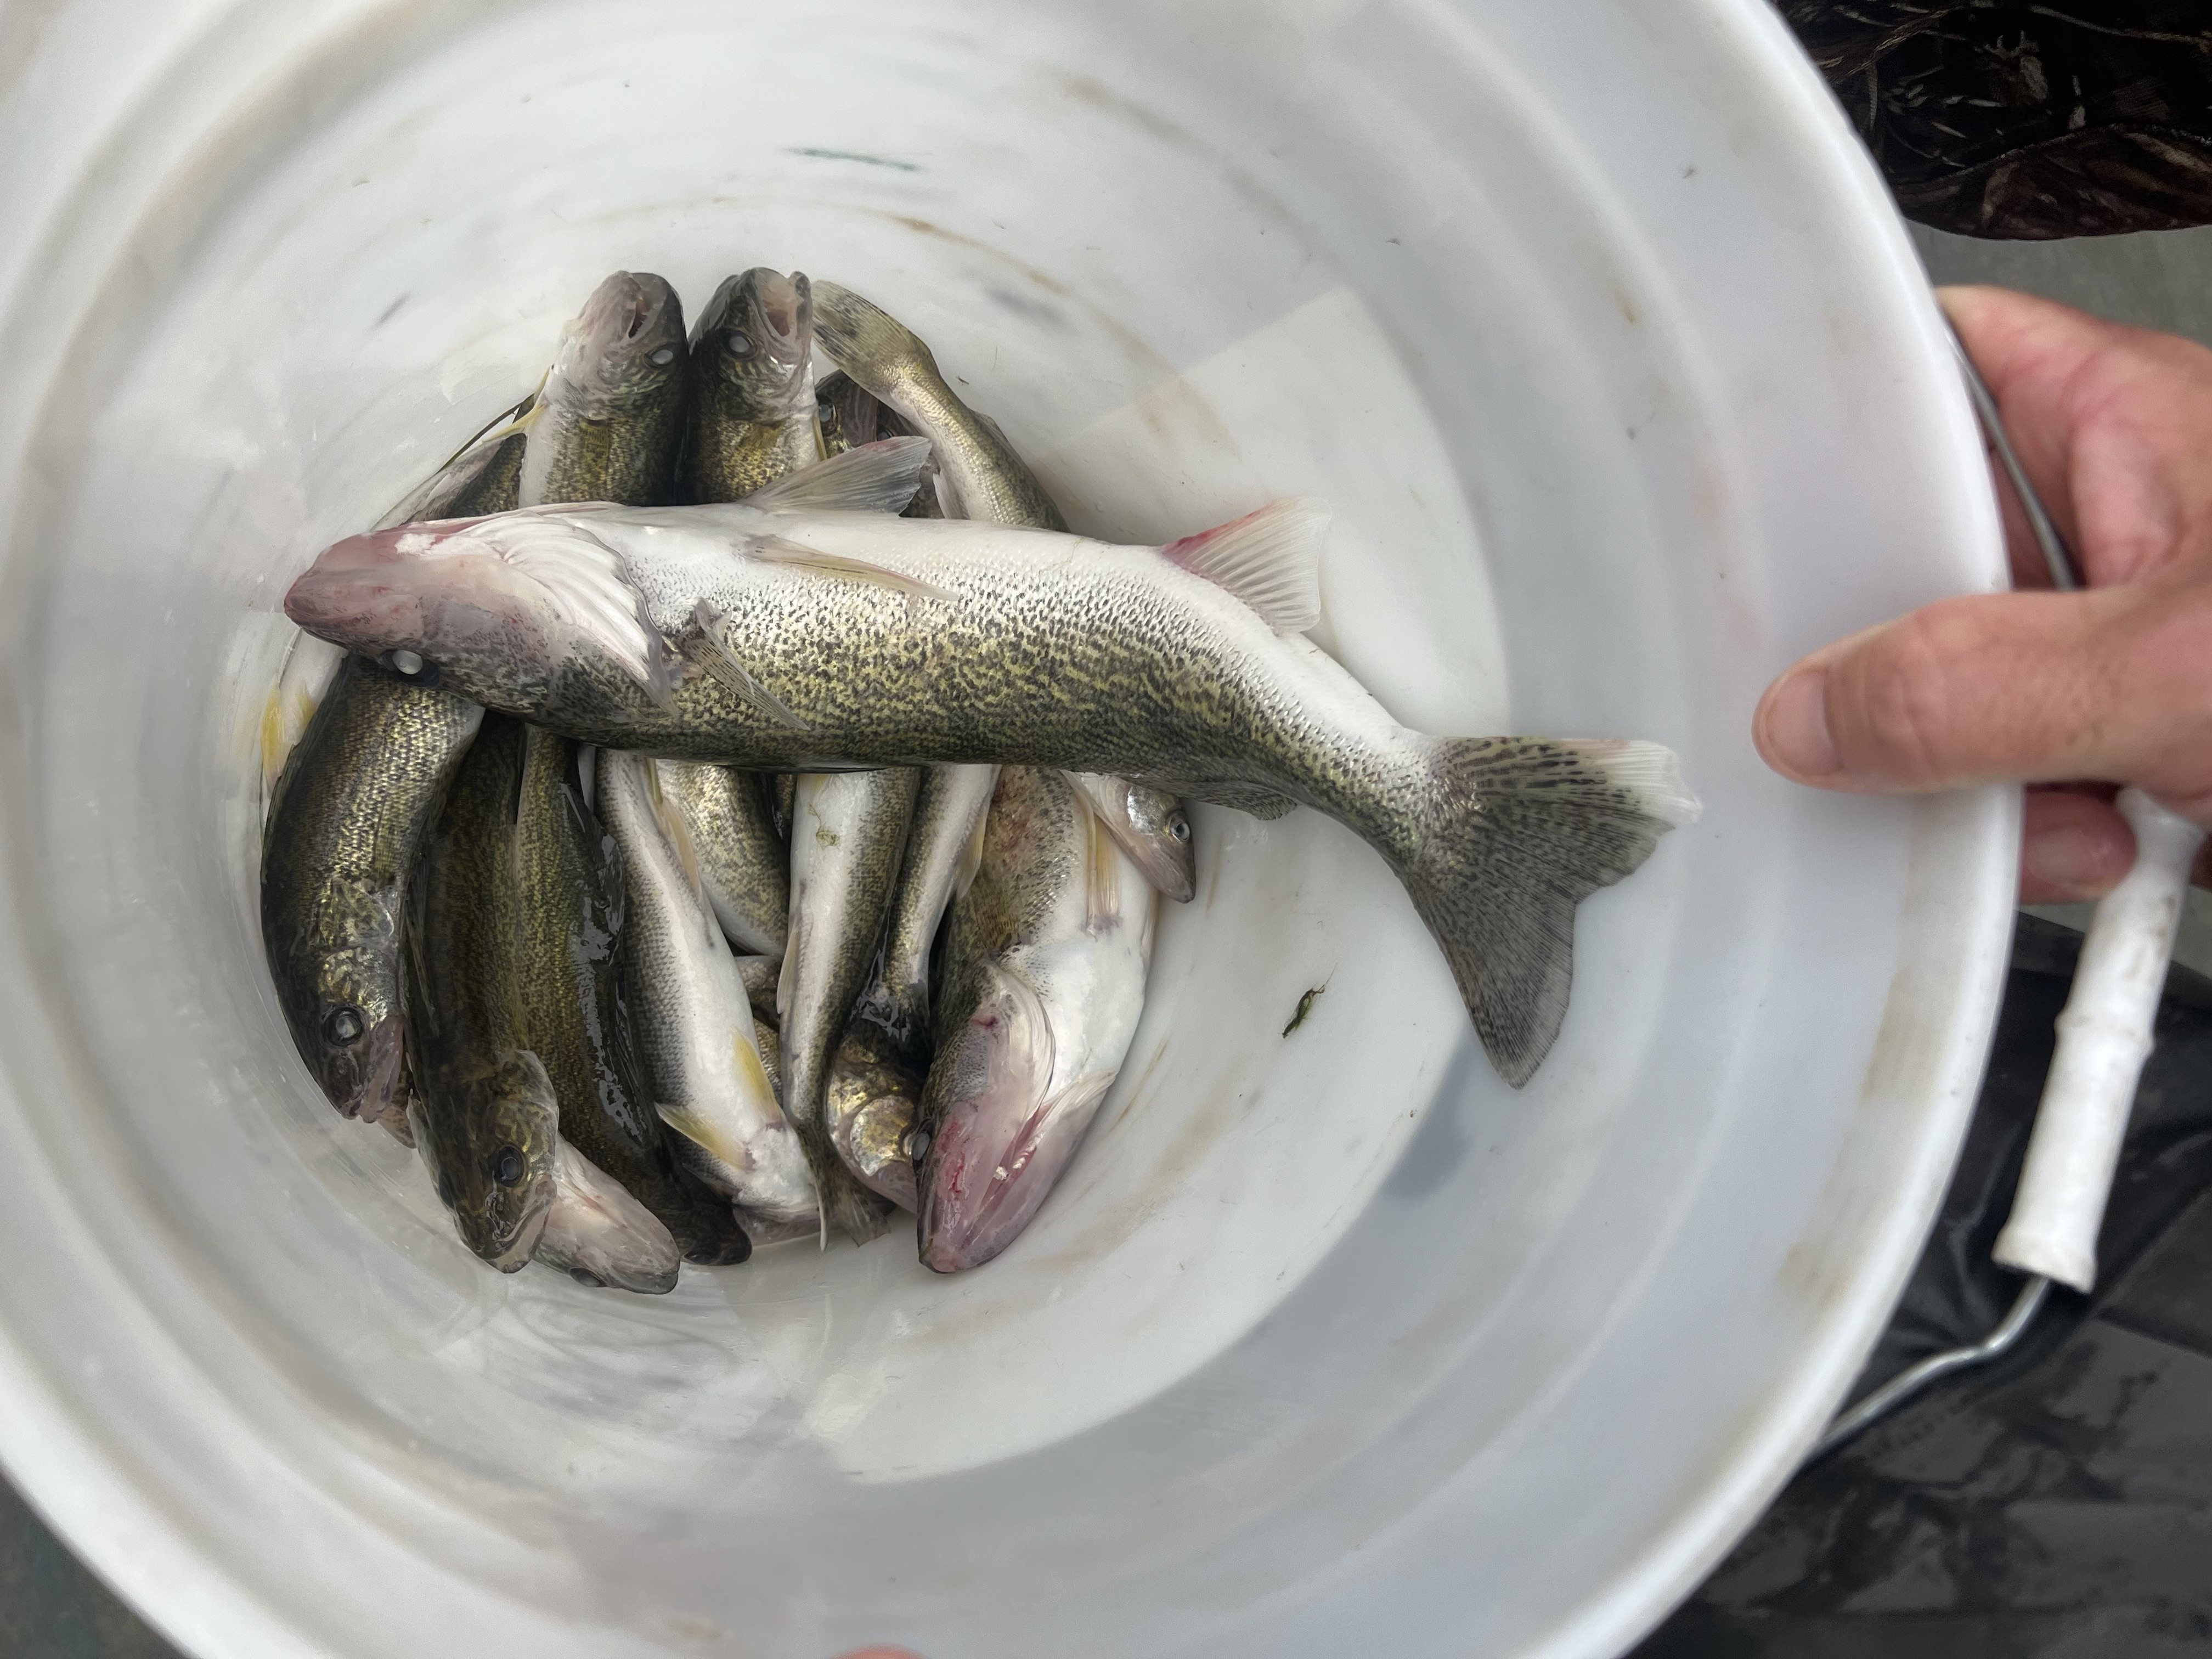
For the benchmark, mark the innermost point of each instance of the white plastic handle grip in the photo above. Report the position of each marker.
(2104, 1038)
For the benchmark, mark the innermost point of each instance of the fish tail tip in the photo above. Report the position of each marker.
(1523, 830)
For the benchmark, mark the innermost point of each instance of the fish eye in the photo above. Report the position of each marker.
(410, 666)
(917, 1146)
(738, 343)
(586, 1276)
(507, 1165)
(662, 358)
(343, 1027)
(1179, 827)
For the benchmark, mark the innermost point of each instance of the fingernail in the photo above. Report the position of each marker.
(2079, 860)
(1796, 725)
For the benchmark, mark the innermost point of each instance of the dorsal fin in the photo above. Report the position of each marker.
(1270, 559)
(877, 477)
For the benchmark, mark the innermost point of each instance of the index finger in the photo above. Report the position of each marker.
(2109, 423)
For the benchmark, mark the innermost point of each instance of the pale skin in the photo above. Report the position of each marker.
(2070, 694)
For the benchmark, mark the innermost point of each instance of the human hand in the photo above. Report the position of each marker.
(2112, 686)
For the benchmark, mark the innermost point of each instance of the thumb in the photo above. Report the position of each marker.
(2111, 686)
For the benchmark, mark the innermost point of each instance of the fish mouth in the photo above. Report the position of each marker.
(979, 1191)
(628, 317)
(782, 313)
(375, 1085)
(352, 595)
(512, 1254)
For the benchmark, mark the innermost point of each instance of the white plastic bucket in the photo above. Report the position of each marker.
(1597, 329)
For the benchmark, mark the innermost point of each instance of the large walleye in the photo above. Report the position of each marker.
(1044, 980)
(752, 417)
(485, 1115)
(815, 638)
(848, 835)
(695, 1026)
(572, 902)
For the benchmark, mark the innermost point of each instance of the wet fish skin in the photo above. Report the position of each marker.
(485, 1114)
(688, 1006)
(599, 1235)
(988, 479)
(847, 838)
(752, 415)
(350, 810)
(606, 425)
(1045, 962)
(743, 863)
(1150, 825)
(346, 820)
(874, 1095)
(849, 416)
(572, 900)
(870, 641)
(942, 850)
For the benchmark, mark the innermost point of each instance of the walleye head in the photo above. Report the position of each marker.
(347, 1025)
(1153, 829)
(493, 609)
(985, 1154)
(494, 1158)
(624, 348)
(756, 338)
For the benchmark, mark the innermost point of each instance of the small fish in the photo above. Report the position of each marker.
(1045, 961)
(873, 1096)
(688, 1005)
(852, 638)
(571, 901)
(743, 863)
(847, 839)
(943, 847)
(1150, 825)
(606, 425)
(485, 1115)
(600, 1235)
(985, 477)
(752, 417)
(352, 806)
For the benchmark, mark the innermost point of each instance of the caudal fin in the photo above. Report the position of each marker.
(1525, 829)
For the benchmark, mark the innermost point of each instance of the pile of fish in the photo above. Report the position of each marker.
(740, 813)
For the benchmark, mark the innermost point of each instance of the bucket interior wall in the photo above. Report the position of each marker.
(1591, 327)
